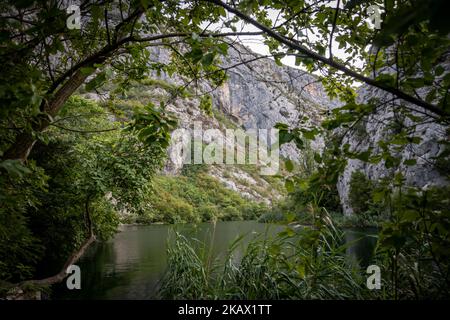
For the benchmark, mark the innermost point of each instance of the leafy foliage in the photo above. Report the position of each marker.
(194, 197)
(361, 193)
(69, 173)
(309, 264)
(413, 245)
(88, 171)
(20, 249)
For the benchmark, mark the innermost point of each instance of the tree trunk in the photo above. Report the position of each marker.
(62, 274)
(21, 148)
(24, 141)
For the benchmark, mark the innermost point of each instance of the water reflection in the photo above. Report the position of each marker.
(361, 245)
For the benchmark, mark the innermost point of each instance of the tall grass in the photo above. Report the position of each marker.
(309, 264)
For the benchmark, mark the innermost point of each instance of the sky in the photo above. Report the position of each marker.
(255, 43)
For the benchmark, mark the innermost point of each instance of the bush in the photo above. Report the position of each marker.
(231, 213)
(207, 212)
(20, 249)
(360, 195)
(195, 196)
(286, 267)
(272, 217)
(252, 211)
(171, 209)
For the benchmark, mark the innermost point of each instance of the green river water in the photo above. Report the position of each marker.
(130, 265)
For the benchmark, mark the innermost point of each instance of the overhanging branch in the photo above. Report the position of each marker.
(330, 62)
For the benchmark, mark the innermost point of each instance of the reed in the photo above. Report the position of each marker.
(306, 264)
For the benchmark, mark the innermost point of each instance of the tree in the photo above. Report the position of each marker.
(45, 63)
(56, 61)
(89, 169)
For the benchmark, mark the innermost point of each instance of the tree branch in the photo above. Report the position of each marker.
(332, 30)
(292, 44)
(73, 257)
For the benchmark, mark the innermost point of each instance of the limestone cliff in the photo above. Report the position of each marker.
(257, 94)
(378, 127)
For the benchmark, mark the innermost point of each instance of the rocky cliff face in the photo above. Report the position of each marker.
(261, 93)
(256, 95)
(379, 127)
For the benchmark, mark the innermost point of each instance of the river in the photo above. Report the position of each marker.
(130, 265)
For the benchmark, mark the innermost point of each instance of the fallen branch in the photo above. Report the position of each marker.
(71, 260)
(62, 274)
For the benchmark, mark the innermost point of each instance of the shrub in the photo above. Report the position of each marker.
(208, 212)
(286, 267)
(195, 196)
(252, 211)
(272, 217)
(360, 195)
(231, 213)
(206, 104)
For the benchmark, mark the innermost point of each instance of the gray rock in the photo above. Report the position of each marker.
(378, 127)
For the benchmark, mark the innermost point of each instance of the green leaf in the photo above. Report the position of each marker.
(378, 196)
(410, 216)
(431, 96)
(317, 157)
(289, 165)
(96, 82)
(195, 55)
(386, 79)
(364, 156)
(410, 162)
(288, 232)
(278, 62)
(87, 70)
(281, 126)
(208, 59)
(299, 142)
(285, 136)
(290, 216)
(439, 70)
(353, 3)
(309, 134)
(14, 168)
(222, 48)
(222, 12)
(289, 184)
(300, 268)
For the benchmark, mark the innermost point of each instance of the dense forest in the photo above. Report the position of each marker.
(91, 93)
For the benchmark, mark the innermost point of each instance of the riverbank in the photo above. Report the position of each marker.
(194, 198)
(338, 219)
